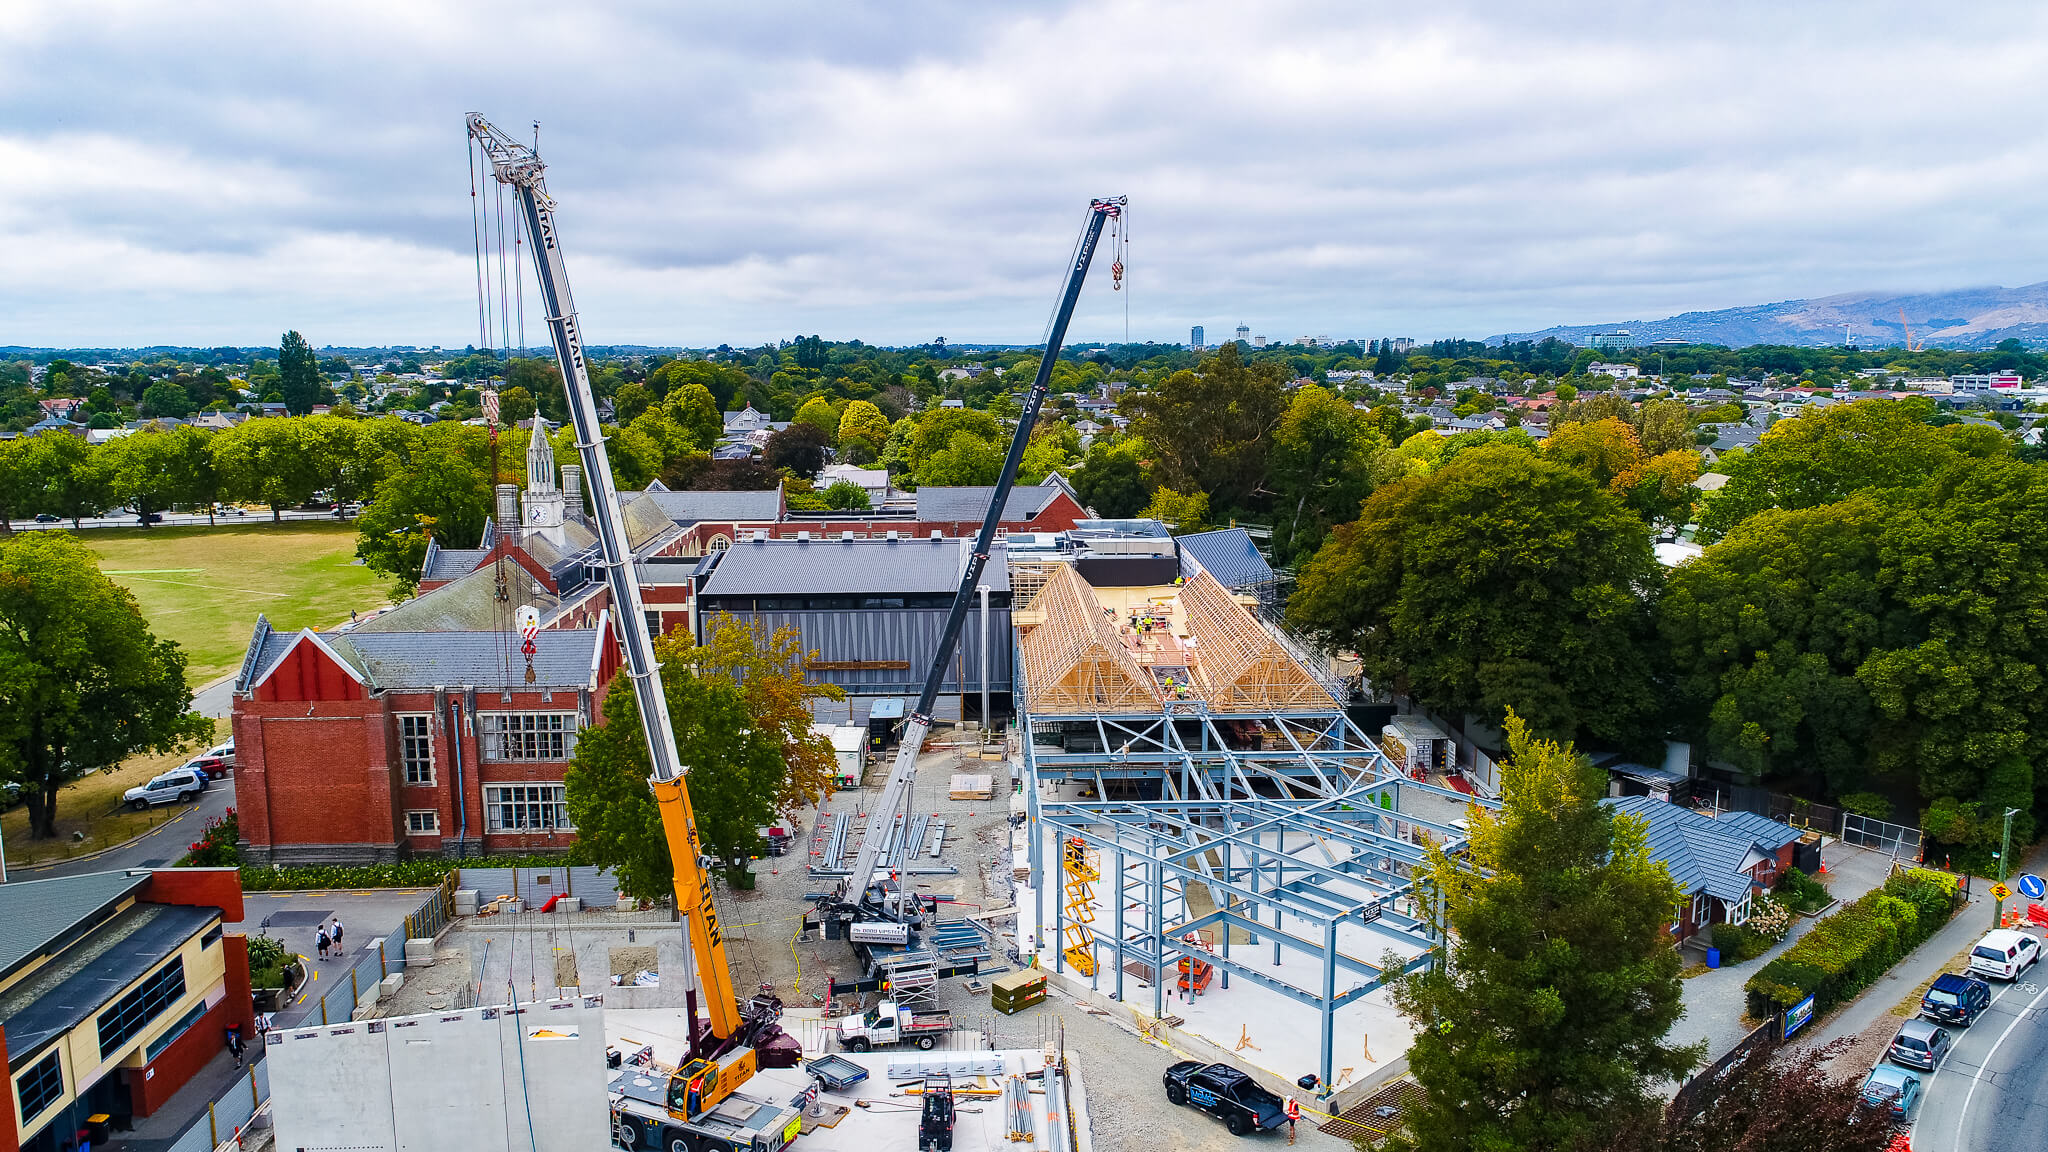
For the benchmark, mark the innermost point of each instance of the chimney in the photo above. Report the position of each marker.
(572, 486)
(508, 507)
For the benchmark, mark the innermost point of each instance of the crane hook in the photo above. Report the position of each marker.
(1116, 276)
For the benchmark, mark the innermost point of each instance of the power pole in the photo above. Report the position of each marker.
(2004, 850)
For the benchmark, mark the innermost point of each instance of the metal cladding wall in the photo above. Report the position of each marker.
(906, 635)
(481, 1079)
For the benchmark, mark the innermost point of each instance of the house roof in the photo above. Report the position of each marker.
(563, 657)
(1025, 502)
(36, 915)
(468, 603)
(1769, 834)
(1228, 554)
(691, 507)
(831, 567)
(60, 996)
(1703, 854)
(449, 563)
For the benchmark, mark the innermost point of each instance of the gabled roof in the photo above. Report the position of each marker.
(468, 602)
(972, 503)
(1228, 554)
(692, 507)
(1702, 853)
(563, 658)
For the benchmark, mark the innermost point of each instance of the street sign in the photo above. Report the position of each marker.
(2000, 892)
(1797, 1015)
(2031, 886)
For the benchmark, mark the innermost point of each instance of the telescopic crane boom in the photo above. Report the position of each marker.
(727, 1026)
(864, 895)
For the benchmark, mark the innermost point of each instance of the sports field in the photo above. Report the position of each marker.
(203, 587)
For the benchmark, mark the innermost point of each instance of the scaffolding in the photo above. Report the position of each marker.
(1074, 659)
(1239, 666)
(1079, 869)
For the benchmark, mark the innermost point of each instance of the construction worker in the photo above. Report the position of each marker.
(1293, 1115)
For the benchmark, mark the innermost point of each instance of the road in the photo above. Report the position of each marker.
(1991, 1094)
(170, 520)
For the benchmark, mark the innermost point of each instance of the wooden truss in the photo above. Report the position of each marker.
(1238, 664)
(1073, 660)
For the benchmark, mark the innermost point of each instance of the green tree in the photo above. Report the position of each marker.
(60, 470)
(515, 405)
(1664, 426)
(967, 461)
(935, 430)
(1210, 431)
(439, 492)
(142, 470)
(845, 495)
(1111, 479)
(299, 374)
(276, 462)
(819, 413)
(165, 398)
(1180, 513)
(694, 409)
(630, 401)
(1499, 580)
(1327, 458)
(83, 683)
(767, 667)
(798, 450)
(863, 424)
(1605, 449)
(1546, 1031)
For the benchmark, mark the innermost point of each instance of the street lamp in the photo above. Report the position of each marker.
(2004, 850)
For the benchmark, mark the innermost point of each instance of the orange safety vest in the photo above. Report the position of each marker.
(1293, 1109)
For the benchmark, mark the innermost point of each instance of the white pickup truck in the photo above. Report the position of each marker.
(888, 1023)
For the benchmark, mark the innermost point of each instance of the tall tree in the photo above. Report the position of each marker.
(968, 461)
(862, 424)
(767, 666)
(1327, 458)
(298, 374)
(1111, 479)
(1499, 580)
(59, 469)
(693, 407)
(277, 462)
(1546, 1030)
(798, 450)
(83, 683)
(1211, 430)
(439, 492)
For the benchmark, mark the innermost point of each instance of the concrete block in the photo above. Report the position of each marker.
(419, 953)
(392, 983)
(371, 995)
(465, 901)
(627, 903)
(569, 904)
(364, 1012)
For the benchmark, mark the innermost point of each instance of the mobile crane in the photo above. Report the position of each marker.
(693, 1104)
(872, 904)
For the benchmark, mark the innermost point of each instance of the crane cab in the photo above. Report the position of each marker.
(701, 1084)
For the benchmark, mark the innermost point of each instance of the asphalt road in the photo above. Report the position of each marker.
(1991, 1094)
(170, 520)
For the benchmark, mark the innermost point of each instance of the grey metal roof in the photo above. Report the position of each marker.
(835, 567)
(36, 914)
(448, 563)
(972, 503)
(62, 994)
(691, 507)
(1228, 554)
(563, 658)
(1703, 854)
(467, 603)
(1769, 835)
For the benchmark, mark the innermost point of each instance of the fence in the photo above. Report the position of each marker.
(536, 886)
(1894, 840)
(226, 1116)
(1692, 1094)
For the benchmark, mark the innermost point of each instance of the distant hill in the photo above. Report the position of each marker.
(1967, 318)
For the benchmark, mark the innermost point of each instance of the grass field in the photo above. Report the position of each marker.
(203, 587)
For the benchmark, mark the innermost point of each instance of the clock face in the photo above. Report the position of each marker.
(540, 514)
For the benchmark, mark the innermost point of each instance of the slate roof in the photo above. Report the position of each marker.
(449, 563)
(37, 914)
(468, 603)
(835, 567)
(1228, 554)
(1703, 854)
(1770, 835)
(563, 658)
(691, 507)
(62, 995)
(972, 503)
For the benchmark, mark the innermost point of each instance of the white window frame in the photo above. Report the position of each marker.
(530, 808)
(528, 737)
(425, 736)
(413, 822)
(1738, 913)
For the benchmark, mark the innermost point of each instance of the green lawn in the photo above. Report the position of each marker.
(203, 587)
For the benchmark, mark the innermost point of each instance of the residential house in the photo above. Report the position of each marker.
(1720, 864)
(1615, 371)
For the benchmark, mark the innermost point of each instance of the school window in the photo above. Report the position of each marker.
(133, 1012)
(40, 1086)
(653, 624)
(416, 748)
(525, 808)
(528, 735)
(423, 822)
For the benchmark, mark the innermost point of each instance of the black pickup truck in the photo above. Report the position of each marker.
(1225, 1093)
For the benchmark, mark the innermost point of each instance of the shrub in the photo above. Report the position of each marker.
(1772, 919)
(1739, 942)
(1874, 805)
(1802, 892)
(404, 874)
(1849, 950)
(215, 847)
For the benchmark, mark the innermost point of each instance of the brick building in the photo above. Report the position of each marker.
(116, 988)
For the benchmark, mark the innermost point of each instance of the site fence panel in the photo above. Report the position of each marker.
(1897, 840)
(535, 886)
(220, 1124)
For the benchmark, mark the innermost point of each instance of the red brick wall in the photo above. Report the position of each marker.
(200, 888)
(323, 778)
(9, 1140)
(307, 673)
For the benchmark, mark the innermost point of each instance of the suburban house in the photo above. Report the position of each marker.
(1719, 862)
(116, 988)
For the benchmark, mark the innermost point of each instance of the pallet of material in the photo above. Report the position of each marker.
(1012, 984)
(972, 786)
(1008, 1008)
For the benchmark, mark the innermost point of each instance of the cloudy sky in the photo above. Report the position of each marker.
(215, 173)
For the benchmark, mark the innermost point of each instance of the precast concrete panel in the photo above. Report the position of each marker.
(492, 1079)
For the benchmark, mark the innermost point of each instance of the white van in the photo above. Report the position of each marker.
(2004, 953)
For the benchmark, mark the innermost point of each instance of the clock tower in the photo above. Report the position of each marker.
(543, 503)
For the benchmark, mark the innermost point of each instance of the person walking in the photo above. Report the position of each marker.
(320, 940)
(1293, 1115)
(334, 934)
(235, 1043)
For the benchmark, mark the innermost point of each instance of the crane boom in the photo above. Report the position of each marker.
(895, 796)
(516, 165)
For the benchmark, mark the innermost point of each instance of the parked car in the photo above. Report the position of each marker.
(1919, 1045)
(1225, 1093)
(46, 517)
(176, 786)
(229, 510)
(214, 767)
(2004, 954)
(225, 750)
(151, 518)
(1893, 1089)
(1956, 999)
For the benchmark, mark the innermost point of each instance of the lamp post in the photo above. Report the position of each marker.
(2004, 850)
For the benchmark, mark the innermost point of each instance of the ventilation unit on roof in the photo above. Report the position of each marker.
(937, 535)
(803, 536)
(846, 534)
(892, 535)
(760, 536)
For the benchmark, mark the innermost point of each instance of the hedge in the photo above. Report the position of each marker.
(405, 874)
(1847, 952)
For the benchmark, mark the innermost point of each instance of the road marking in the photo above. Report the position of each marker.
(1988, 1057)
